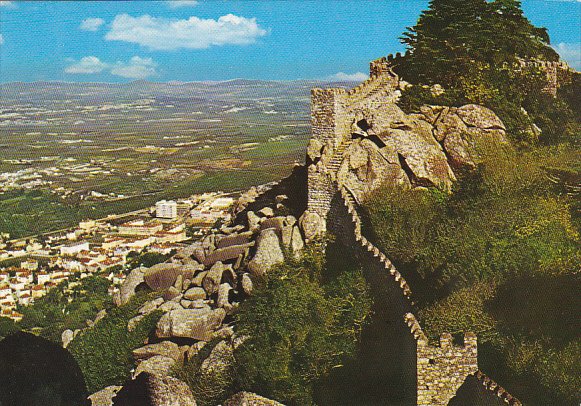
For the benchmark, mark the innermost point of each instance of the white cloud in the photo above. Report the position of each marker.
(182, 3)
(136, 68)
(8, 4)
(571, 52)
(87, 65)
(1, 39)
(92, 24)
(193, 33)
(346, 77)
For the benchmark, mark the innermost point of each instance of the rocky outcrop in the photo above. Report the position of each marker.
(418, 149)
(292, 240)
(165, 348)
(158, 365)
(247, 285)
(312, 224)
(150, 306)
(220, 361)
(462, 131)
(366, 168)
(127, 289)
(105, 396)
(268, 253)
(250, 399)
(161, 276)
(199, 287)
(66, 337)
(216, 275)
(198, 324)
(154, 390)
(195, 293)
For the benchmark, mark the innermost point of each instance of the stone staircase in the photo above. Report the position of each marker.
(367, 90)
(337, 158)
(351, 203)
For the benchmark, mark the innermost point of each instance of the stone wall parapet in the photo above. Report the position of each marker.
(349, 202)
(442, 368)
(498, 390)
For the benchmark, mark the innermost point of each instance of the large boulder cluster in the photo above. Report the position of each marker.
(427, 148)
(200, 290)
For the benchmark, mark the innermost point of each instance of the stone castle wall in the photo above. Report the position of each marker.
(333, 112)
(441, 370)
(558, 73)
(438, 371)
(321, 191)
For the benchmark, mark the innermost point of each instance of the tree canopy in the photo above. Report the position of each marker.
(474, 49)
(454, 36)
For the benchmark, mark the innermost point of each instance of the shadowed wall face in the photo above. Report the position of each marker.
(384, 372)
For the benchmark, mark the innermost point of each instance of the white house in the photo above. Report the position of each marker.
(75, 248)
(42, 278)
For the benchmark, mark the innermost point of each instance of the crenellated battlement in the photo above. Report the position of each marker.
(545, 64)
(442, 369)
(498, 390)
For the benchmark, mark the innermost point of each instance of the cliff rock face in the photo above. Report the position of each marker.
(460, 130)
(417, 149)
(362, 139)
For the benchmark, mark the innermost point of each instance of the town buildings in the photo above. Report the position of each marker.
(100, 247)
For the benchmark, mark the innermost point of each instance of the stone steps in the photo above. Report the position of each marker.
(338, 156)
(373, 88)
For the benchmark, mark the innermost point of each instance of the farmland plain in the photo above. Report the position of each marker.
(70, 151)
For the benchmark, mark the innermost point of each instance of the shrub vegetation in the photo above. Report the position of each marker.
(499, 257)
(305, 319)
(62, 309)
(103, 352)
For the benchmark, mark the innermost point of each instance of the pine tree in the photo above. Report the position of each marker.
(471, 48)
(453, 37)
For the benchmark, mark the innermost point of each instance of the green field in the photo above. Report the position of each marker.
(140, 142)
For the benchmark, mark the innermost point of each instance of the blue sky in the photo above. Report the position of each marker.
(121, 41)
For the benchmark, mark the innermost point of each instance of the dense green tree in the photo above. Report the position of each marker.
(474, 49)
(453, 37)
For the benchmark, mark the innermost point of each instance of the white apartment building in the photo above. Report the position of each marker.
(29, 265)
(166, 209)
